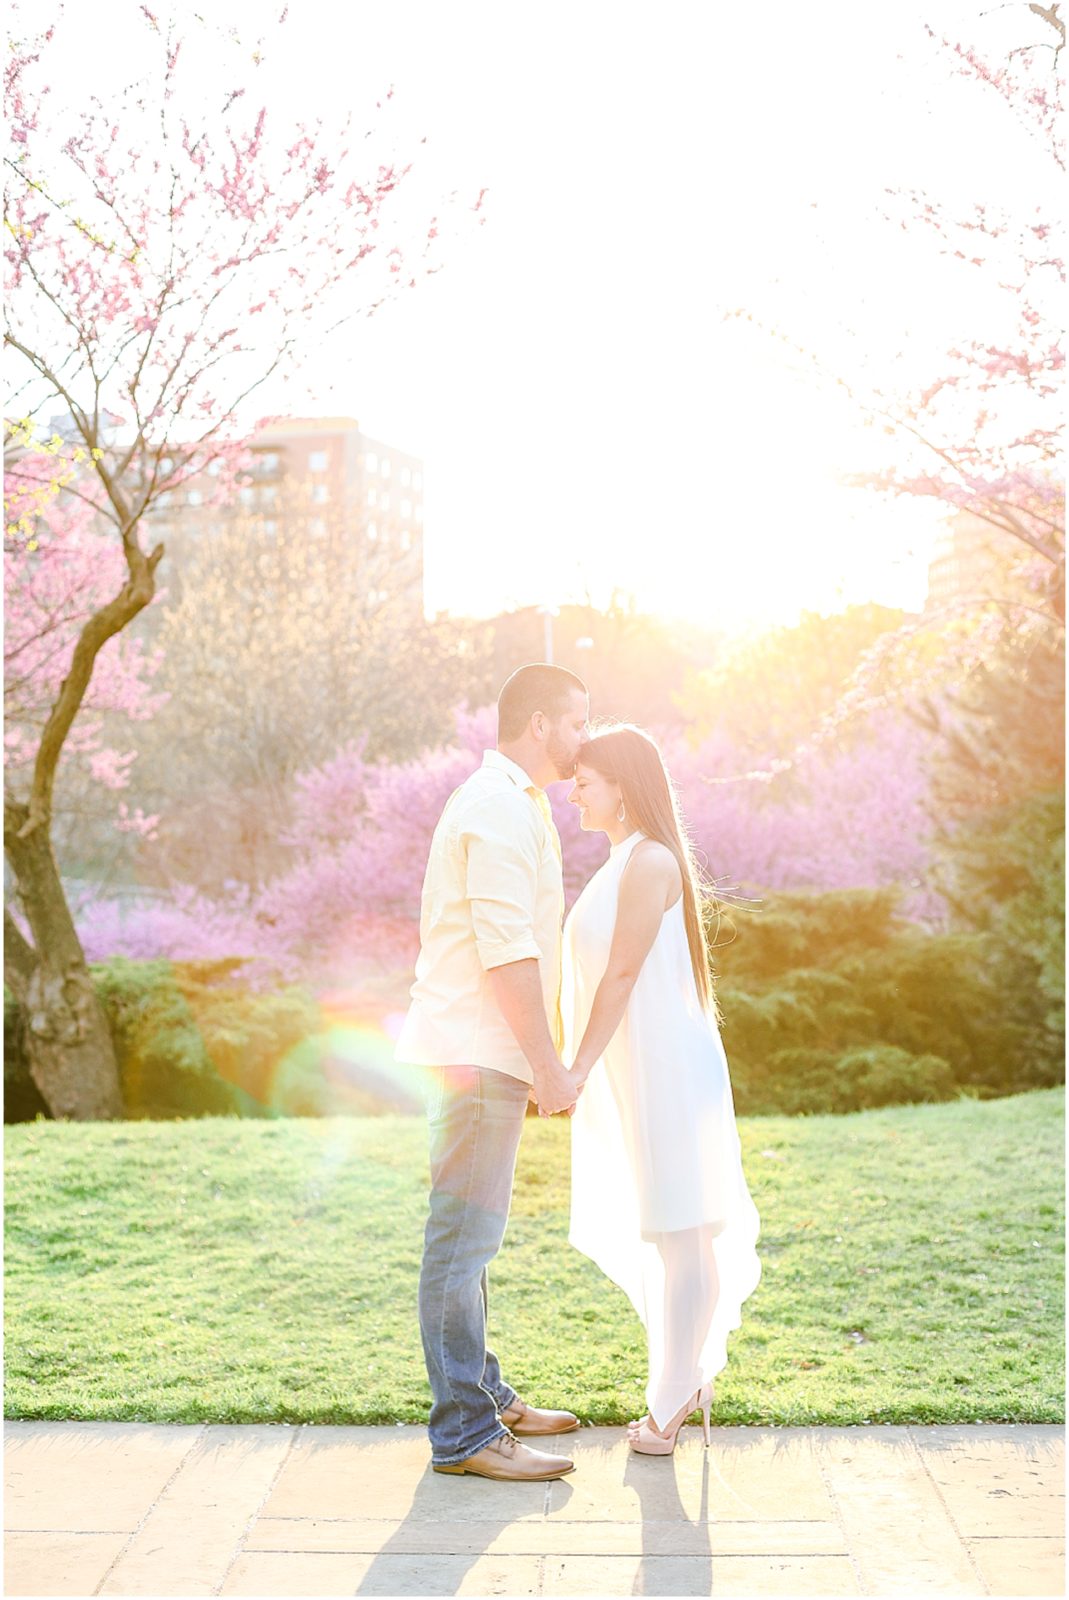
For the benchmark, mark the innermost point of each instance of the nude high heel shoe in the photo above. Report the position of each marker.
(648, 1443)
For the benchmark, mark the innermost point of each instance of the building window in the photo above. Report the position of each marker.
(386, 467)
(246, 495)
(372, 530)
(372, 497)
(194, 497)
(317, 527)
(385, 502)
(270, 527)
(417, 481)
(406, 510)
(371, 461)
(406, 539)
(317, 461)
(406, 477)
(320, 494)
(267, 461)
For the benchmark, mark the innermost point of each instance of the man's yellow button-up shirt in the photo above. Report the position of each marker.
(492, 894)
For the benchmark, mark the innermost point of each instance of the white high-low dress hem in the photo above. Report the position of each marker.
(659, 1200)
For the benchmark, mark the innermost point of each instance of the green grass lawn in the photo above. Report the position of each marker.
(237, 1271)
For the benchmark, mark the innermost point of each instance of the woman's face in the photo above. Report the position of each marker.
(598, 799)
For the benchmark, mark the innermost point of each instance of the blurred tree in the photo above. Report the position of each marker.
(983, 434)
(633, 664)
(291, 641)
(165, 259)
(768, 693)
(998, 799)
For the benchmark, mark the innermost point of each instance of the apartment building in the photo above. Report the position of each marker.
(339, 478)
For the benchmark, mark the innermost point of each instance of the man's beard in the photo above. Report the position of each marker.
(557, 751)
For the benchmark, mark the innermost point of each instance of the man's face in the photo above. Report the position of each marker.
(567, 734)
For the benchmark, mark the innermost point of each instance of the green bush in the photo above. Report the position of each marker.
(831, 1002)
(894, 1013)
(193, 1040)
(798, 930)
(170, 1054)
(797, 1080)
(1004, 872)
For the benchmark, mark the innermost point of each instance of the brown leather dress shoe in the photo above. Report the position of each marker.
(507, 1459)
(524, 1420)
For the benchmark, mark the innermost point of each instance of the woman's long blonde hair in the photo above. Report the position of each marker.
(630, 757)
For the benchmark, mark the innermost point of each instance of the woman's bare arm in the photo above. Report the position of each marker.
(651, 881)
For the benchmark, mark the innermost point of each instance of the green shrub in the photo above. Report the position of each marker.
(193, 1040)
(1005, 874)
(884, 1075)
(165, 1064)
(961, 996)
(831, 1002)
(895, 1013)
(797, 1080)
(798, 930)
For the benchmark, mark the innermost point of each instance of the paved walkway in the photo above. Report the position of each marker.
(137, 1509)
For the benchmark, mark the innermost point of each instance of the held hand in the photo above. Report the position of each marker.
(555, 1092)
(579, 1072)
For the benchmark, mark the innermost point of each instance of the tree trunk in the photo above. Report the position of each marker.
(68, 1043)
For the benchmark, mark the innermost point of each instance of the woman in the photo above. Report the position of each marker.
(659, 1200)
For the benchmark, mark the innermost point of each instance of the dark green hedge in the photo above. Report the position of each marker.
(193, 1041)
(831, 1002)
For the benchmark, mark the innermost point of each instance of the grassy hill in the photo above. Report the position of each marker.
(240, 1271)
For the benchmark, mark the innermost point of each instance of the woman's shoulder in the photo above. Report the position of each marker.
(652, 862)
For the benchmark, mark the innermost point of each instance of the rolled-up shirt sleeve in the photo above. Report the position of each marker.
(503, 849)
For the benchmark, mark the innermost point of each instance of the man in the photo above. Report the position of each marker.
(485, 1018)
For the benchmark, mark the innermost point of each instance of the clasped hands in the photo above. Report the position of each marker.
(560, 1094)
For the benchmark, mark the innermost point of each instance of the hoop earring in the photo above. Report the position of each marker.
(621, 814)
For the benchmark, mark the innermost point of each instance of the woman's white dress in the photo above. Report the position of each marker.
(659, 1200)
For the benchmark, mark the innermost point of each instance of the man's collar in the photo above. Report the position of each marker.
(503, 763)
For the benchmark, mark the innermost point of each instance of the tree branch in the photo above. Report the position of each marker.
(111, 619)
(20, 958)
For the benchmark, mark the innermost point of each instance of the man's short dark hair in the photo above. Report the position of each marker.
(538, 687)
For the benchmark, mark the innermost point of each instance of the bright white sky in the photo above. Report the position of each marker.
(587, 421)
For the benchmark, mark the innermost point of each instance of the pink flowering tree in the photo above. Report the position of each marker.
(66, 569)
(854, 816)
(363, 832)
(162, 266)
(982, 434)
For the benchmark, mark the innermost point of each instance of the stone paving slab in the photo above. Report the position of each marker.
(1018, 1566)
(541, 1537)
(675, 1575)
(994, 1486)
(88, 1477)
(766, 1474)
(893, 1515)
(202, 1515)
(59, 1563)
(135, 1509)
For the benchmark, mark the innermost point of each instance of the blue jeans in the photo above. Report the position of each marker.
(476, 1119)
